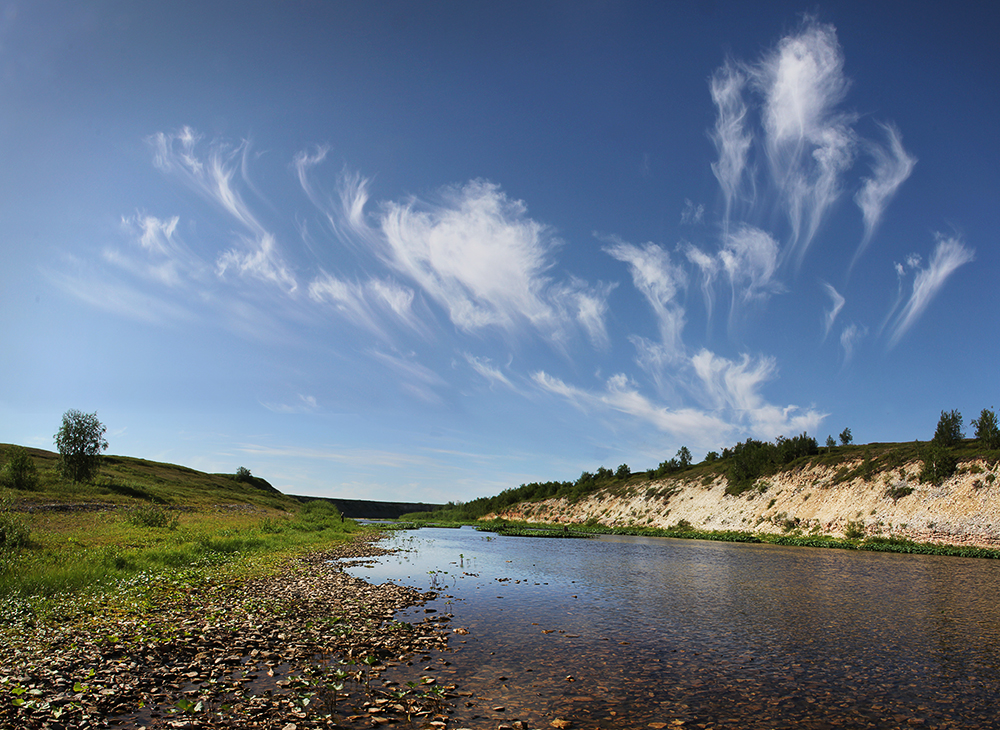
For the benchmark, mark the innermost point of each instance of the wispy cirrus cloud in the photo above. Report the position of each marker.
(729, 393)
(731, 135)
(490, 372)
(368, 304)
(949, 254)
(660, 281)
(163, 258)
(749, 257)
(837, 303)
(891, 167)
(850, 336)
(212, 175)
(621, 395)
(809, 143)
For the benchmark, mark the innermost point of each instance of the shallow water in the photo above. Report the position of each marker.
(627, 632)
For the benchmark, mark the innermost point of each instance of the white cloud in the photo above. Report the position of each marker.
(660, 281)
(212, 177)
(365, 303)
(731, 136)
(734, 386)
(258, 259)
(809, 144)
(492, 374)
(478, 255)
(302, 404)
(622, 396)
(709, 267)
(692, 214)
(729, 391)
(163, 257)
(890, 169)
(949, 254)
(750, 258)
(837, 304)
(849, 339)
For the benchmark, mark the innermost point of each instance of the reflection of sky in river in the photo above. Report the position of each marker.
(782, 620)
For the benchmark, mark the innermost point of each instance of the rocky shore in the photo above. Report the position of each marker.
(301, 648)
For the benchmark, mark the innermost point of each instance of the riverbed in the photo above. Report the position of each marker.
(620, 632)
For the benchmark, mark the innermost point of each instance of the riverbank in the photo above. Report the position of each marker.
(814, 499)
(295, 648)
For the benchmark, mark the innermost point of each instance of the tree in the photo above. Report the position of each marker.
(846, 436)
(80, 441)
(19, 472)
(243, 474)
(684, 457)
(987, 430)
(949, 429)
(623, 472)
(830, 443)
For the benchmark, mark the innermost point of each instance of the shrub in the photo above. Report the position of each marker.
(243, 474)
(19, 472)
(152, 515)
(949, 429)
(854, 530)
(14, 530)
(898, 490)
(939, 464)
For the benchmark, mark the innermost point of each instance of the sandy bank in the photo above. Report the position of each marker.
(963, 510)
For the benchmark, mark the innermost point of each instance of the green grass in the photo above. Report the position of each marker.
(126, 480)
(145, 520)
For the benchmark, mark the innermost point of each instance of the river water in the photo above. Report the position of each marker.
(624, 632)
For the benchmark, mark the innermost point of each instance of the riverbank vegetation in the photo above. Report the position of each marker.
(794, 537)
(748, 469)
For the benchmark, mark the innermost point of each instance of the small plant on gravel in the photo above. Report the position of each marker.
(898, 490)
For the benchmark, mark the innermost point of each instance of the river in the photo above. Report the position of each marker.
(624, 632)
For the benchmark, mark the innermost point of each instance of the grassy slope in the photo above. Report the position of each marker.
(153, 519)
(126, 480)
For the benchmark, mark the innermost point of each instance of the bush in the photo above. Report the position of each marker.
(987, 430)
(19, 472)
(939, 464)
(14, 531)
(152, 515)
(854, 530)
(80, 441)
(949, 429)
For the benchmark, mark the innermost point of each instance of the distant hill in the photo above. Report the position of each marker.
(369, 510)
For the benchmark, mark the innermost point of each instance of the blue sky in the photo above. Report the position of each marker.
(429, 251)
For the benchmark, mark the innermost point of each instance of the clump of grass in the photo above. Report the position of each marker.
(152, 515)
(14, 530)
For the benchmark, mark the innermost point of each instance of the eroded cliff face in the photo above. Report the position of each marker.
(963, 510)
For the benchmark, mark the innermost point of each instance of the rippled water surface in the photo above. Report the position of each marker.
(637, 632)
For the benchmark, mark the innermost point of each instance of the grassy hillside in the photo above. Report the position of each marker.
(126, 480)
(62, 538)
